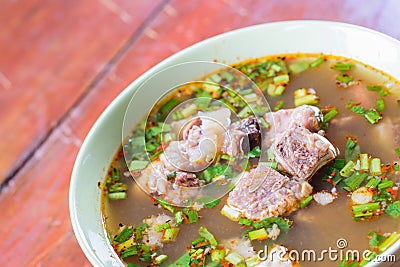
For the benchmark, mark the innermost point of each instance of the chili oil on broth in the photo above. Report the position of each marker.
(315, 227)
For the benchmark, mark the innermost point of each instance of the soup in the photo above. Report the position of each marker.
(313, 173)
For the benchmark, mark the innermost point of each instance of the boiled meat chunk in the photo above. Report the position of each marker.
(274, 194)
(301, 153)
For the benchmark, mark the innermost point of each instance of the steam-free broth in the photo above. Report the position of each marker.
(314, 227)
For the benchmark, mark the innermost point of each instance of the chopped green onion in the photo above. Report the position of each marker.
(203, 232)
(283, 223)
(139, 230)
(379, 89)
(342, 66)
(380, 104)
(358, 110)
(226, 157)
(272, 165)
(339, 163)
(115, 174)
(352, 150)
(162, 227)
(364, 162)
(227, 76)
(252, 261)
(117, 187)
(191, 214)
(246, 91)
(317, 62)
(383, 196)
(385, 184)
(132, 265)
(259, 110)
(397, 150)
(264, 123)
(279, 105)
(177, 115)
(330, 114)
(208, 201)
(197, 254)
(184, 260)
(298, 67)
(170, 234)
(310, 99)
(243, 221)
(178, 216)
(138, 165)
(165, 127)
(165, 205)
(215, 171)
(372, 116)
(306, 201)
(125, 245)
(355, 180)
(389, 242)
(125, 233)
(198, 240)
(216, 78)
(276, 90)
(365, 210)
(245, 112)
(166, 108)
(396, 167)
(203, 102)
(211, 87)
(347, 169)
(375, 240)
(189, 110)
(217, 255)
(160, 259)
(373, 183)
(117, 195)
(394, 209)
(212, 204)
(374, 88)
(375, 168)
(234, 258)
(281, 79)
(251, 97)
(344, 78)
(260, 234)
(255, 152)
(129, 252)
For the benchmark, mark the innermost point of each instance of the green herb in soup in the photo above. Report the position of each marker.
(321, 166)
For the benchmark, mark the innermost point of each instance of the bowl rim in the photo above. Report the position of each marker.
(170, 60)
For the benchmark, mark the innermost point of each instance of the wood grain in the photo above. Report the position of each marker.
(53, 54)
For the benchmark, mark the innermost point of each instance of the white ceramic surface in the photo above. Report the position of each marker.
(103, 140)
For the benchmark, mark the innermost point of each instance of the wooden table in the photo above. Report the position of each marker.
(62, 63)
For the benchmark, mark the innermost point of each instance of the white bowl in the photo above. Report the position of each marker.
(103, 140)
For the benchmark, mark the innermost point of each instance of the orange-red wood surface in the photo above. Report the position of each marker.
(62, 63)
